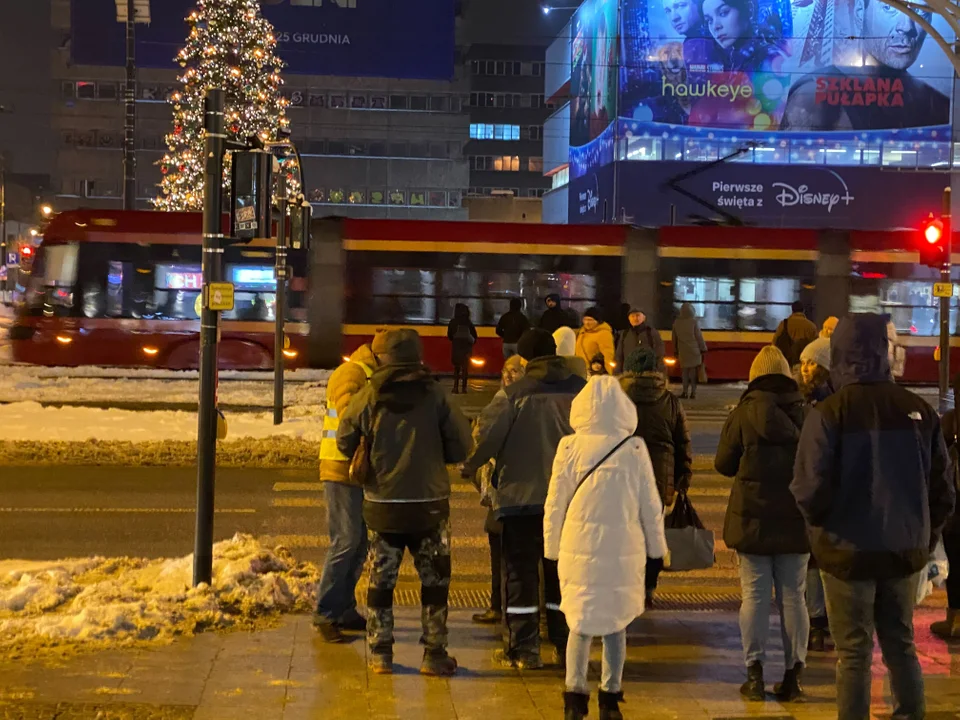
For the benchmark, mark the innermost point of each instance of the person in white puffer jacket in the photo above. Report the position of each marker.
(601, 531)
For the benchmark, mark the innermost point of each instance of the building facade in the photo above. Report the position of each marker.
(507, 112)
(820, 122)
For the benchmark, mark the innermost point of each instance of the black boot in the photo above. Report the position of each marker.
(753, 688)
(790, 689)
(610, 706)
(575, 705)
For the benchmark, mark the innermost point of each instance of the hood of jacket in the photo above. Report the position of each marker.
(644, 388)
(858, 351)
(551, 368)
(775, 408)
(364, 355)
(602, 408)
(402, 386)
(686, 312)
(553, 296)
(601, 327)
(566, 340)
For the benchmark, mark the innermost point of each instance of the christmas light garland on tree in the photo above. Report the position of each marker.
(230, 46)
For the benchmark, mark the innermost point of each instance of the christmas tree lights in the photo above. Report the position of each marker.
(230, 46)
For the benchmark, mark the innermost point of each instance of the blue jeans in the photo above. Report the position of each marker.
(785, 575)
(509, 350)
(816, 602)
(578, 662)
(348, 548)
(857, 608)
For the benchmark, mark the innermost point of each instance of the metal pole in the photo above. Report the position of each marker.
(214, 137)
(281, 304)
(130, 115)
(3, 228)
(945, 303)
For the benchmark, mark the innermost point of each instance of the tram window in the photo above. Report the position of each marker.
(177, 290)
(764, 302)
(713, 300)
(912, 307)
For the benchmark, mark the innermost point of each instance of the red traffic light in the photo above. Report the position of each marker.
(933, 232)
(933, 246)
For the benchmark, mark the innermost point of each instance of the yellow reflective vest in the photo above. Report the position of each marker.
(331, 421)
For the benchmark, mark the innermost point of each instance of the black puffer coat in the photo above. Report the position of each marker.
(758, 447)
(663, 426)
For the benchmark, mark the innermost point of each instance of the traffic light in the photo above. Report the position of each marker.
(932, 245)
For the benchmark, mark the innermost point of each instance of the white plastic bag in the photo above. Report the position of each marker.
(937, 570)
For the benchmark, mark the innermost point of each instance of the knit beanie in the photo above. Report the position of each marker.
(829, 325)
(640, 360)
(769, 361)
(400, 346)
(566, 341)
(536, 343)
(817, 352)
(592, 313)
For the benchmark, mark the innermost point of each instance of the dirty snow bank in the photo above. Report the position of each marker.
(127, 600)
(27, 421)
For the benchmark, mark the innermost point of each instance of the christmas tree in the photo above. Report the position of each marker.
(230, 46)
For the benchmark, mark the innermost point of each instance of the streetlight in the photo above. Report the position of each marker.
(547, 9)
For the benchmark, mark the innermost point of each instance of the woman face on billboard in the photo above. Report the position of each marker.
(728, 21)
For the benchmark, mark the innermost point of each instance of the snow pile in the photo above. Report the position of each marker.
(110, 385)
(27, 421)
(125, 600)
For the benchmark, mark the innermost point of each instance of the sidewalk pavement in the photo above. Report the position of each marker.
(680, 666)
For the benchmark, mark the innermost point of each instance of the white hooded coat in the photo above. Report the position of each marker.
(603, 533)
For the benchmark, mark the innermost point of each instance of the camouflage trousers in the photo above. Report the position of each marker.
(431, 557)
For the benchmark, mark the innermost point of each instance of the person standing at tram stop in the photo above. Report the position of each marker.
(872, 481)
(689, 346)
(412, 431)
(463, 336)
(521, 430)
(595, 338)
(758, 446)
(949, 628)
(603, 518)
(639, 334)
(555, 317)
(511, 327)
(662, 424)
(815, 387)
(566, 341)
(336, 595)
(793, 334)
(828, 327)
(483, 480)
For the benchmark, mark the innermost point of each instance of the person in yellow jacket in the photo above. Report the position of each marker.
(336, 594)
(595, 337)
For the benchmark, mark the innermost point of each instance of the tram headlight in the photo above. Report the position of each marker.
(478, 362)
(64, 339)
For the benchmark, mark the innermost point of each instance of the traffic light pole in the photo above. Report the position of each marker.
(281, 304)
(214, 145)
(945, 304)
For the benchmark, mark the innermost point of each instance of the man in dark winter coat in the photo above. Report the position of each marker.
(758, 446)
(662, 424)
(872, 481)
(511, 327)
(794, 333)
(555, 317)
(640, 334)
(521, 430)
(413, 432)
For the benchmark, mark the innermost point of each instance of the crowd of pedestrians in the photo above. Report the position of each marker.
(842, 486)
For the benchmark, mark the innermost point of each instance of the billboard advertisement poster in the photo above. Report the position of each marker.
(593, 82)
(751, 67)
(374, 38)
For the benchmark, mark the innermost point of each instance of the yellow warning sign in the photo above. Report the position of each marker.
(943, 290)
(220, 296)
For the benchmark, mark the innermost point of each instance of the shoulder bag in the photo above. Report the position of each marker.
(606, 457)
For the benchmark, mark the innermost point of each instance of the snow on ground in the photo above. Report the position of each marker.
(26, 421)
(96, 384)
(123, 600)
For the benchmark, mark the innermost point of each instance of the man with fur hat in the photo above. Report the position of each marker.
(412, 431)
(521, 430)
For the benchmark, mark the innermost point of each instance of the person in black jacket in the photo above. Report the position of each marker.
(511, 327)
(872, 481)
(412, 432)
(462, 335)
(555, 317)
(662, 424)
(949, 628)
(639, 334)
(757, 447)
(521, 430)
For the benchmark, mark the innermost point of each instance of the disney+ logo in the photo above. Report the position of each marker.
(805, 196)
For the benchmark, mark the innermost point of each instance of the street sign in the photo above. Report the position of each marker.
(13, 259)
(943, 290)
(220, 296)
